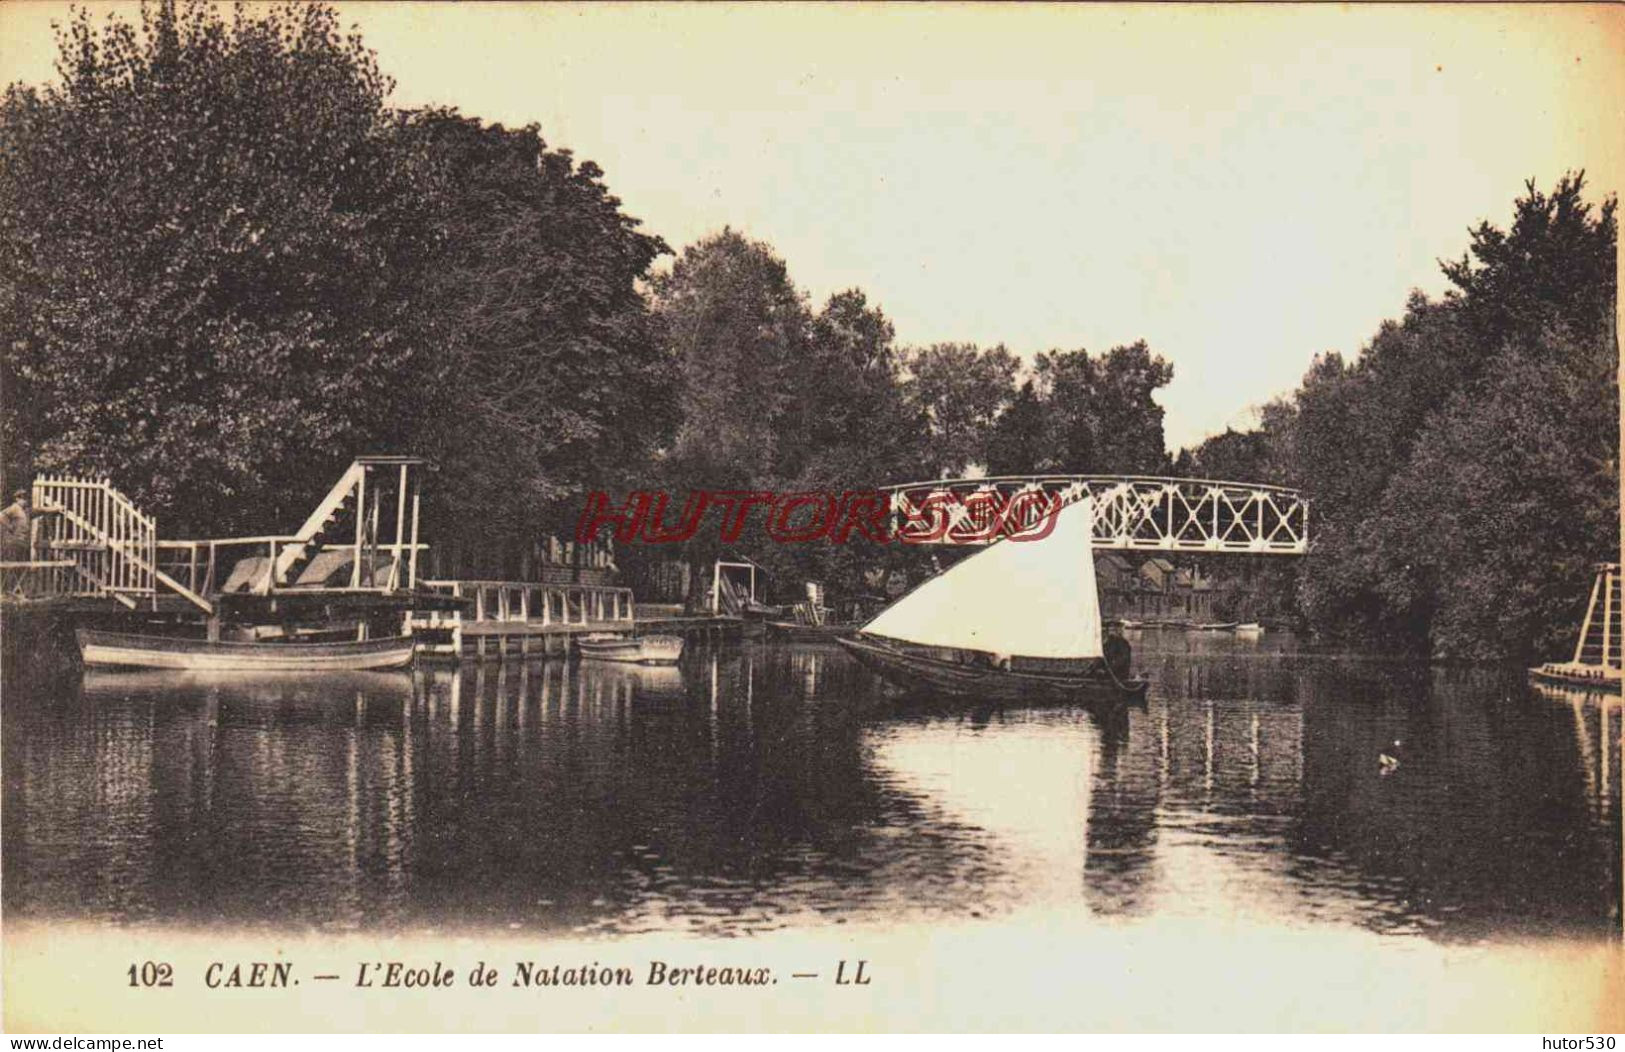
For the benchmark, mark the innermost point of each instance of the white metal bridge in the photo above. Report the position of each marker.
(1132, 512)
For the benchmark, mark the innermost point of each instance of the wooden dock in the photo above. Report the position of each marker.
(352, 566)
(524, 618)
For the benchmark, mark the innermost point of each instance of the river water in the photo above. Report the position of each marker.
(763, 787)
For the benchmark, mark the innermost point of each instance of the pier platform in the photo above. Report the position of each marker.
(494, 619)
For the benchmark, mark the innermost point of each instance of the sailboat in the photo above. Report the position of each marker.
(1017, 621)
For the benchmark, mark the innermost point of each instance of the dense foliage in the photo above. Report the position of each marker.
(541, 372)
(1464, 468)
(226, 268)
(202, 247)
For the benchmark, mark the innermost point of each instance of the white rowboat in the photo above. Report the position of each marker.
(122, 650)
(642, 650)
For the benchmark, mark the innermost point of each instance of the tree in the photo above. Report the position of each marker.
(1463, 468)
(1103, 417)
(733, 322)
(1234, 456)
(1493, 527)
(202, 233)
(1555, 265)
(958, 390)
(850, 430)
(1020, 442)
(848, 424)
(547, 378)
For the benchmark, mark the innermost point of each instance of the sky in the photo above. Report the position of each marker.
(1243, 188)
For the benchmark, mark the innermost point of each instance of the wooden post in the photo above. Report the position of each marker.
(400, 532)
(107, 562)
(412, 575)
(360, 522)
(372, 545)
(1591, 609)
(457, 621)
(1607, 616)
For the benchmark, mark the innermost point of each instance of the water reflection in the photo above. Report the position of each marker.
(766, 786)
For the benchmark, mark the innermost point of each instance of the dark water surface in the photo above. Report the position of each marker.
(761, 787)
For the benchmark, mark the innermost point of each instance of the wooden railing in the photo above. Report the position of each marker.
(112, 544)
(110, 541)
(528, 601)
(206, 565)
(526, 605)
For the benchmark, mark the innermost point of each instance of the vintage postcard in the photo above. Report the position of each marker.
(540, 517)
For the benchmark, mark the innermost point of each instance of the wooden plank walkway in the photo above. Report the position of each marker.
(523, 618)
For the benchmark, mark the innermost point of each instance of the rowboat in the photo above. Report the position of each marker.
(123, 650)
(1217, 626)
(1018, 621)
(642, 650)
(792, 632)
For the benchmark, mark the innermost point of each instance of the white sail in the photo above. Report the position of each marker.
(1033, 598)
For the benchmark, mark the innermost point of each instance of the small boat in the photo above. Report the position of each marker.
(1017, 621)
(1217, 626)
(754, 617)
(1575, 674)
(641, 650)
(122, 650)
(793, 632)
(1249, 628)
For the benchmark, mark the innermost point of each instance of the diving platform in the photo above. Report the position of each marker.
(93, 552)
(1596, 664)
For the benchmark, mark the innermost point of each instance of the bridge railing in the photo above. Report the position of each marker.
(1141, 513)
